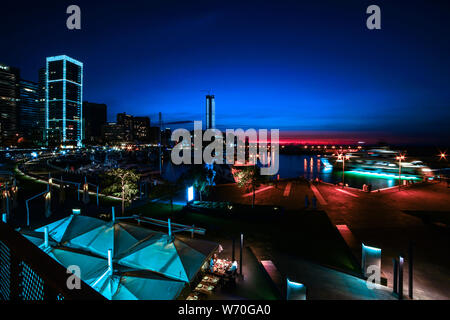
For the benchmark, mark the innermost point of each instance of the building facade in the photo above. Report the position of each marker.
(63, 102)
(9, 104)
(42, 76)
(94, 118)
(210, 112)
(31, 124)
(141, 129)
(154, 135)
(113, 133)
(126, 121)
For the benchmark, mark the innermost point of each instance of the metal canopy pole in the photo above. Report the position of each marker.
(395, 276)
(410, 269)
(400, 277)
(240, 260)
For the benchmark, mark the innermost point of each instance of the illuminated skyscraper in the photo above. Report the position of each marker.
(30, 119)
(210, 112)
(63, 101)
(9, 104)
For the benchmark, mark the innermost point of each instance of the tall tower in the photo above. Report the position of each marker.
(9, 104)
(29, 120)
(210, 112)
(63, 101)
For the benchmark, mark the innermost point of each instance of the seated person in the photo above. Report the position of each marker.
(211, 265)
(233, 268)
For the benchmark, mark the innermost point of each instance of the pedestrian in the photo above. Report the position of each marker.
(306, 201)
(314, 202)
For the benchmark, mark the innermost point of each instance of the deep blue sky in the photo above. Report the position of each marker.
(308, 67)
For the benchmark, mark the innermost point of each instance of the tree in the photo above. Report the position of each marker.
(250, 178)
(200, 177)
(122, 183)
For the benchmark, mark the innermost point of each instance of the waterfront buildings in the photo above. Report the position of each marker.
(126, 121)
(141, 129)
(30, 120)
(20, 116)
(63, 102)
(113, 133)
(9, 104)
(94, 117)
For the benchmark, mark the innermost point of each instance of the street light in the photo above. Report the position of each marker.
(442, 156)
(343, 157)
(399, 159)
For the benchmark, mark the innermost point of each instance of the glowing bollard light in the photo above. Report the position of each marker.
(295, 291)
(371, 261)
(190, 194)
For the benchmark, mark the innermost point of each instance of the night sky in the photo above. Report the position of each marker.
(309, 68)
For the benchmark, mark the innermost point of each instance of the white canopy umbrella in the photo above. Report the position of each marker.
(144, 264)
(70, 227)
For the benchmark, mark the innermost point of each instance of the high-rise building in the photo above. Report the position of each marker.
(113, 133)
(63, 101)
(141, 129)
(210, 112)
(94, 117)
(126, 121)
(41, 95)
(9, 104)
(30, 120)
(154, 135)
(166, 135)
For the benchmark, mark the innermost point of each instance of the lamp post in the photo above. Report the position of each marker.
(399, 159)
(442, 156)
(343, 157)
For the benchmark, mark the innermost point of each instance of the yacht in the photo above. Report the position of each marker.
(381, 161)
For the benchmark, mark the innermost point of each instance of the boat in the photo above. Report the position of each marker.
(381, 161)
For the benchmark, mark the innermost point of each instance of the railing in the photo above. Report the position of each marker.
(27, 273)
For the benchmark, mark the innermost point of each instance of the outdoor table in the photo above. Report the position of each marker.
(192, 297)
(204, 288)
(211, 279)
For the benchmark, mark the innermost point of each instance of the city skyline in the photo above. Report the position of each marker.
(312, 82)
(241, 154)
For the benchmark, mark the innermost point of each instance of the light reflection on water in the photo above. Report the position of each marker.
(310, 167)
